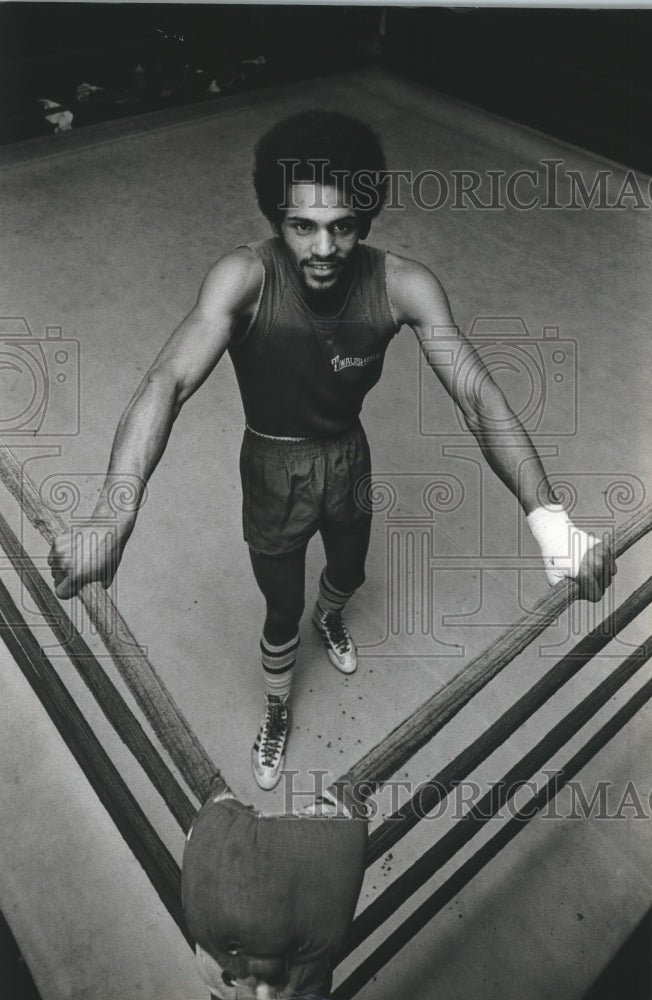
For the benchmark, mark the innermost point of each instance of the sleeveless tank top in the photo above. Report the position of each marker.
(305, 375)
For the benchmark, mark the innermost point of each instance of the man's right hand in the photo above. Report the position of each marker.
(84, 554)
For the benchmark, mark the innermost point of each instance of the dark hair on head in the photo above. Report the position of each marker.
(295, 150)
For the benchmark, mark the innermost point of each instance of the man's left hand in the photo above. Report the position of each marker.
(596, 571)
(569, 551)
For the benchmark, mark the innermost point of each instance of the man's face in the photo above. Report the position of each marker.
(320, 232)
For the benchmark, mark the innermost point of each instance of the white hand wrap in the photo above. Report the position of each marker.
(563, 546)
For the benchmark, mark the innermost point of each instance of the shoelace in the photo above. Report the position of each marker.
(337, 631)
(274, 732)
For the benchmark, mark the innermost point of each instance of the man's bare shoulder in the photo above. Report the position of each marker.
(233, 283)
(403, 269)
(412, 288)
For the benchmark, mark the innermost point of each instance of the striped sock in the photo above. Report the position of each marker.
(278, 666)
(330, 599)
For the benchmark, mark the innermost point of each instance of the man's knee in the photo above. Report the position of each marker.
(346, 555)
(282, 622)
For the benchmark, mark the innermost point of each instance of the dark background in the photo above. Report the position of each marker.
(582, 75)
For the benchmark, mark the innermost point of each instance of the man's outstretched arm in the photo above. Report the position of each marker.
(420, 301)
(227, 296)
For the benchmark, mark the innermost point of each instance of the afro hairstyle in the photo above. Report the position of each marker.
(323, 147)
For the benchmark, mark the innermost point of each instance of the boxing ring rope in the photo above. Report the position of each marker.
(381, 762)
(475, 818)
(92, 673)
(440, 709)
(432, 792)
(112, 791)
(366, 776)
(149, 691)
(407, 883)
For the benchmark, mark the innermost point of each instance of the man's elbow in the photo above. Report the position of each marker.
(487, 411)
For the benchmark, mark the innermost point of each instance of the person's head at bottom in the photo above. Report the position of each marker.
(269, 900)
(239, 977)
